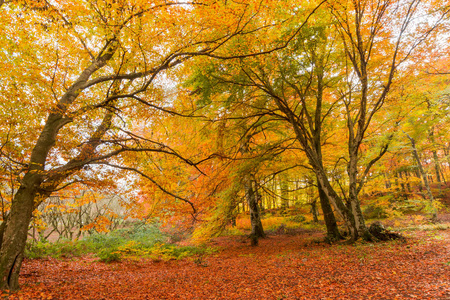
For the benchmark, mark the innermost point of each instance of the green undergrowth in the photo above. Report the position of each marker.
(425, 227)
(276, 223)
(157, 252)
(140, 241)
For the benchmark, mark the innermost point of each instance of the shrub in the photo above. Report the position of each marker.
(297, 219)
(145, 234)
(374, 212)
(139, 241)
(109, 255)
(59, 249)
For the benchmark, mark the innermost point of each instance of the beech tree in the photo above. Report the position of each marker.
(78, 74)
(247, 160)
(310, 83)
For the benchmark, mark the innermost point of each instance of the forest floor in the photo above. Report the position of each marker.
(283, 266)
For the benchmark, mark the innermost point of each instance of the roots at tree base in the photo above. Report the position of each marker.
(381, 233)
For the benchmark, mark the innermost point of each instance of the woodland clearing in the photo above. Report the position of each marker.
(283, 266)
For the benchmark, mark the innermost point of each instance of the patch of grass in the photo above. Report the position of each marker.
(280, 224)
(425, 227)
(60, 249)
(144, 234)
(234, 231)
(297, 218)
(141, 240)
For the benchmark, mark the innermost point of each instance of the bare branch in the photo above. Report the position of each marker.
(152, 180)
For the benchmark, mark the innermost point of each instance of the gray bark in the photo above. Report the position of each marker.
(424, 177)
(252, 196)
(333, 233)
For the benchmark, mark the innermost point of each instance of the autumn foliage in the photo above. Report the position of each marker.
(198, 115)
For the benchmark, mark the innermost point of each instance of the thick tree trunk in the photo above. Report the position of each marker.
(333, 233)
(314, 211)
(15, 236)
(363, 231)
(3, 228)
(253, 197)
(251, 194)
(314, 155)
(355, 206)
(338, 204)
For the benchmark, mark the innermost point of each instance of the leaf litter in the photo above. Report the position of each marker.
(281, 267)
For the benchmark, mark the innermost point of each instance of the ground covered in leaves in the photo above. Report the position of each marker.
(281, 267)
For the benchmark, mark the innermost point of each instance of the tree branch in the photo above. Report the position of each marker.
(153, 181)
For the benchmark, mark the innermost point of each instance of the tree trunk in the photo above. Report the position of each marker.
(408, 185)
(387, 181)
(2, 228)
(437, 168)
(352, 171)
(15, 236)
(252, 196)
(424, 177)
(262, 207)
(284, 187)
(338, 204)
(333, 233)
(402, 184)
(314, 211)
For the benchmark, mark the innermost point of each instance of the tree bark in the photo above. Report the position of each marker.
(355, 206)
(408, 185)
(424, 177)
(314, 211)
(3, 228)
(15, 235)
(284, 187)
(402, 184)
(387, 181)
(252, 196)
(333, 233)
(437, 167)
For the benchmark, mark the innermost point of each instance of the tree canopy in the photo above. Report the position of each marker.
(197, 110)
